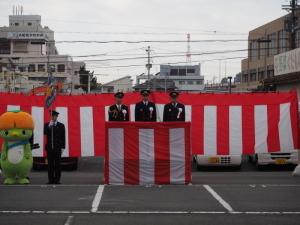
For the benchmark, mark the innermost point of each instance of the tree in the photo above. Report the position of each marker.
(84, 79)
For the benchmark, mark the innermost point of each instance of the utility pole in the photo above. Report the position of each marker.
(291, 24)
(148, 66)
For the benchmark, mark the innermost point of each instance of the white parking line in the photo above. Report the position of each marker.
(69, 220)
(97, 198)
(218, 198)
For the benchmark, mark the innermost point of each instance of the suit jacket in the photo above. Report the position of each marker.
(117, 115)
(142, 112)
(59, 136)
(171, 112)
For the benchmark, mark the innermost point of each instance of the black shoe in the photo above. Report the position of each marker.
(50, 182)
(56, 182)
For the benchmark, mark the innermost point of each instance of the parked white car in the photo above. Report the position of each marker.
(219, 160)
(280, 158)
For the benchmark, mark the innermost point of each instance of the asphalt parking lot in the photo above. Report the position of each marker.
(216, 196)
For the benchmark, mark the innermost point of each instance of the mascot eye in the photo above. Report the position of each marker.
(6, 132)
(24, 132)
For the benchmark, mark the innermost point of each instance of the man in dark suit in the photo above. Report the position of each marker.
(118, 111)
(55, 133)
(145, 110)
(174, 111)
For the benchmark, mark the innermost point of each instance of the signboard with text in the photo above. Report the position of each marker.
(287, 62)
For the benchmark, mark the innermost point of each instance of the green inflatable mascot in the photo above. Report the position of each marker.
(16, 128)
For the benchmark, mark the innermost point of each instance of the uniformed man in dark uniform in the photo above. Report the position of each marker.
(145, 110)
(118, 111)
(55, 133)
(174, 111)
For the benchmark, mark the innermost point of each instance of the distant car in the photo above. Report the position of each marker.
(219, 160)
(275, 158)
(68, 163)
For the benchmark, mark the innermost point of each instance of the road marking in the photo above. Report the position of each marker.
(147, 212)
(97, 198)
(218, 198)
(69, 220)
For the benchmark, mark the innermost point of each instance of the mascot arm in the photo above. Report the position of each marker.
(27, 151)
(4, 151)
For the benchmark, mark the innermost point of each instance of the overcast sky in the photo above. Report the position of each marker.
(106, 20)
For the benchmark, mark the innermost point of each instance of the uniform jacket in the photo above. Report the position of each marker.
(116, 114)
(142, 112)
(171, 112)
(59, 136)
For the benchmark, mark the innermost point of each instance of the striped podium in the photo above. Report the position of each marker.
(139, 153)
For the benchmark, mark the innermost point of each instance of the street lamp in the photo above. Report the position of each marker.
(229, 78)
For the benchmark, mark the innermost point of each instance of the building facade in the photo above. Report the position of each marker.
(27, 49)
(123, 84)
(264, 43)
(186, 78)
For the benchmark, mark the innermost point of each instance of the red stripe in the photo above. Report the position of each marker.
(188, 153)
(99, 130)
(273, 132)
(131, 155)
(294, 113)
(47, 118)
(197, 129)
(74, 131)
(223, 130)
(162, 155)
(248, 129)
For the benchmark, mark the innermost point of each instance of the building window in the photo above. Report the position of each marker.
(273, 48)
(198, 82)
(20, 47)
(4, 46)
(270, 71)
(283, 41)
(253, 50)
(173, 72)
(245, 78)
(261, 75)
(31, 68)
(41, 68)
(61, 68)
(298, 39)
(181, 82)
(182, 72)
(16, 24)
(190, 70)
(190, 82)
(252, 75)
(29, 24)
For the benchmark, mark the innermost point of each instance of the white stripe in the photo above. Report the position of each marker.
(69, 220)
(188, 113)
(106, 108)
(87, 131)
(210, 130)
(13, 107)
(146, 150)
(160, 112)
(235, 130)
(97, 198)
(132, 112)
(63, 118)
(177, 156)
(116, 155)
(285, 129)
(261, 128)
(218, 198)
(38, 117)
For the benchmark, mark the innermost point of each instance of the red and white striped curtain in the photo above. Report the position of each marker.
(220, 123)
(147, 153)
